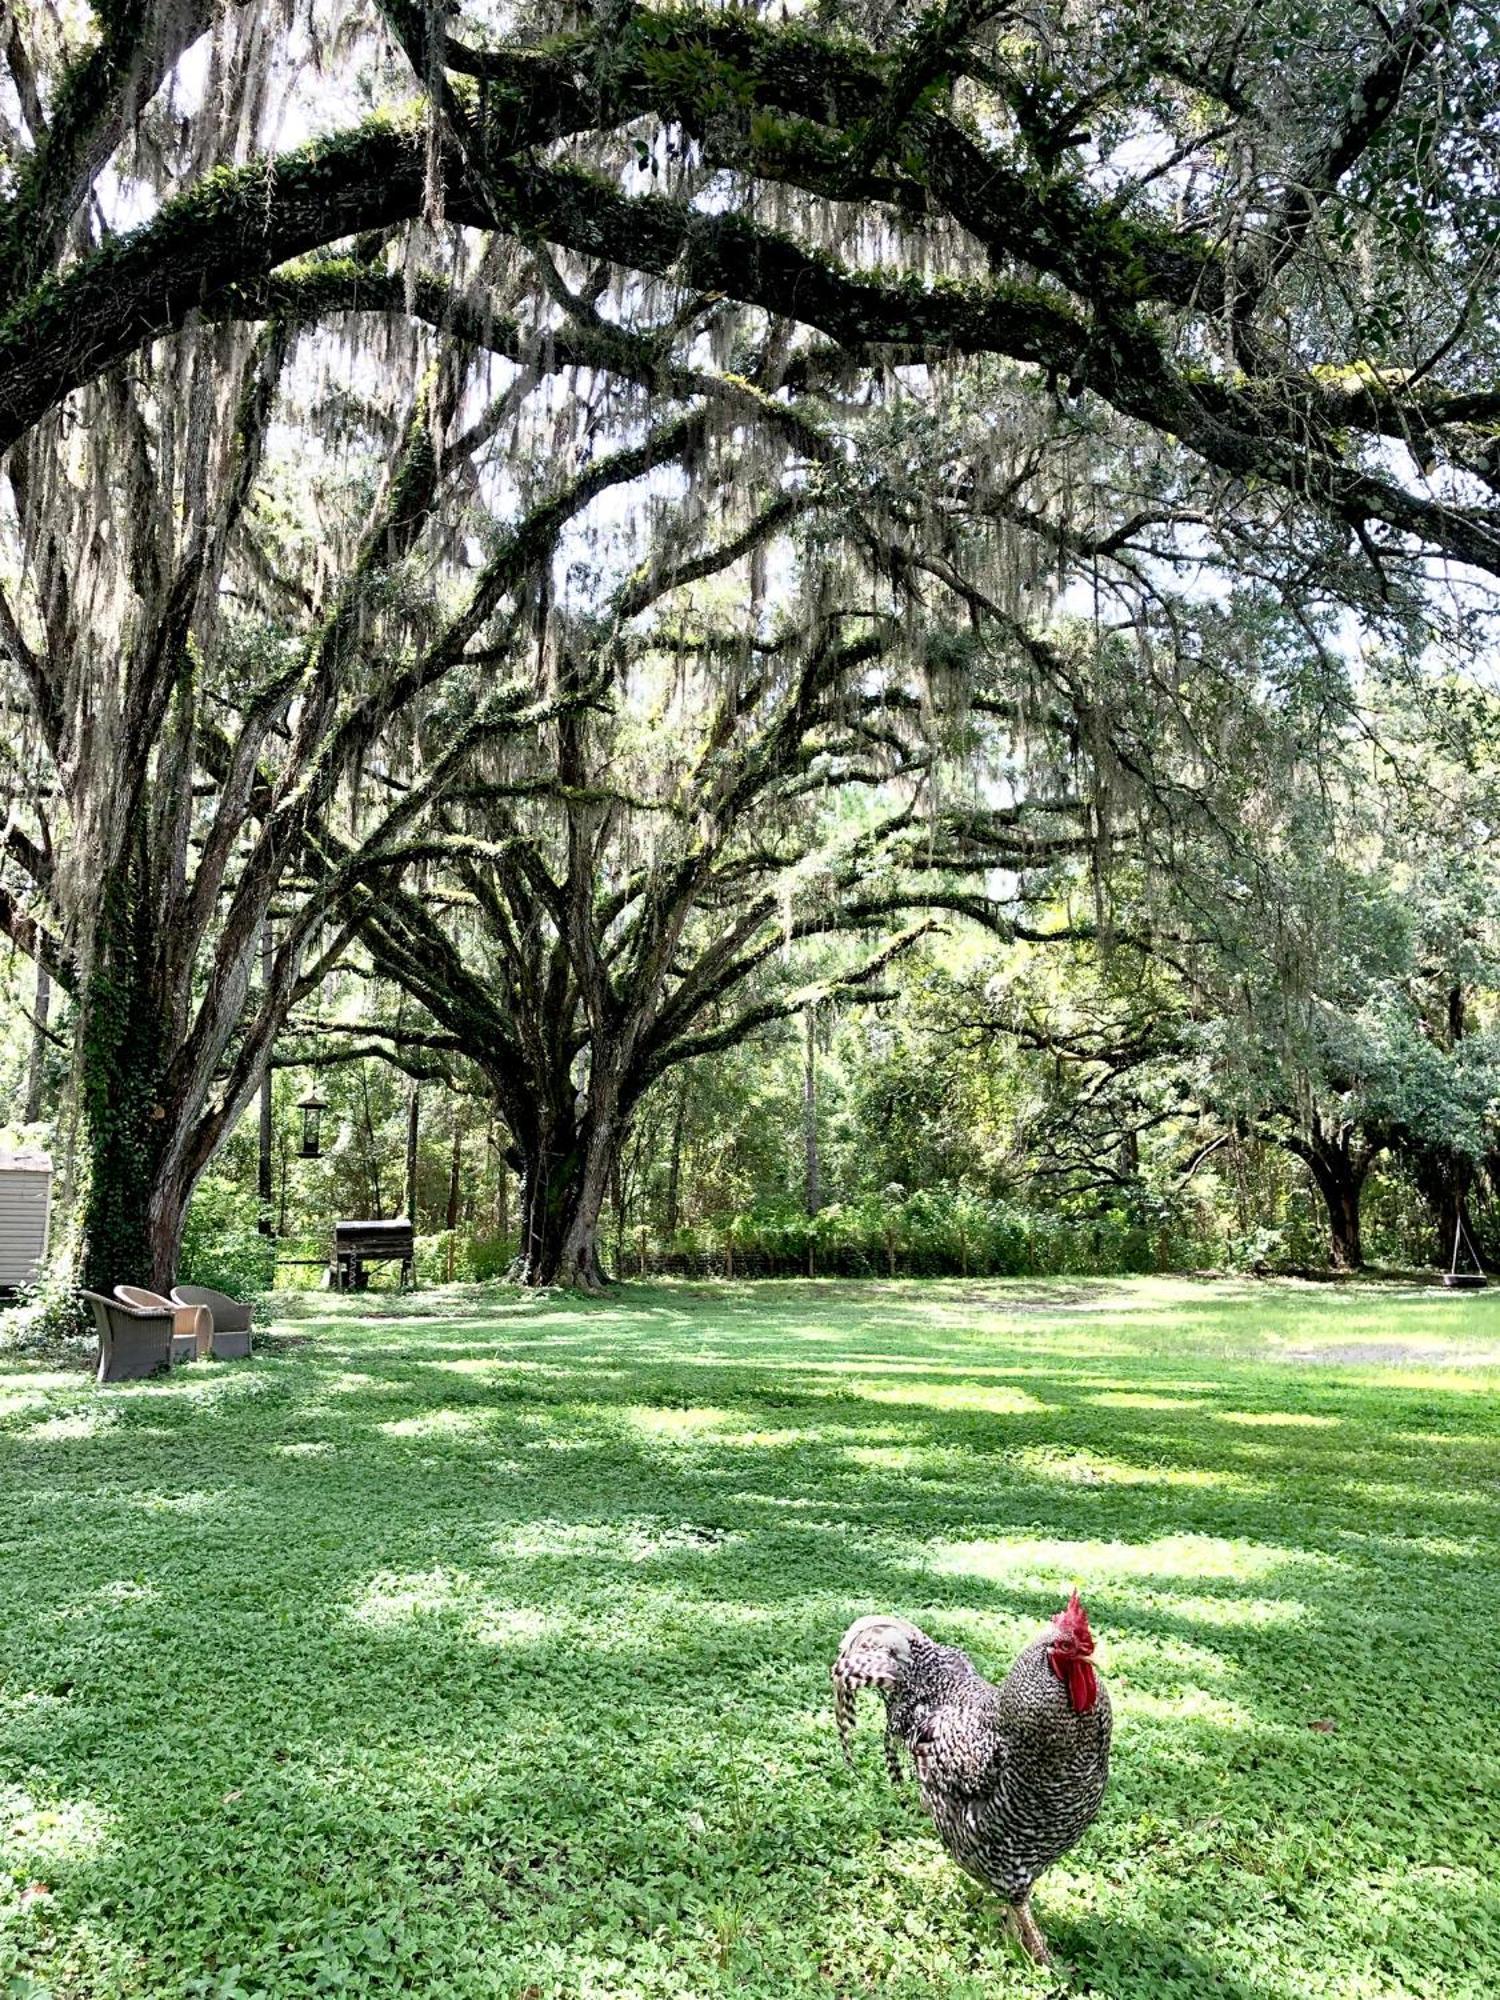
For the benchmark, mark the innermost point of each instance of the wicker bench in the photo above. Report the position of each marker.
(134, 1341)
(229, 1321)
(192, 1329)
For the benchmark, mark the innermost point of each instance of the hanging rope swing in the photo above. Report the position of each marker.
(1464, 1281)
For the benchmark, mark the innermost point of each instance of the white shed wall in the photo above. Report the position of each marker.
(25, 1199)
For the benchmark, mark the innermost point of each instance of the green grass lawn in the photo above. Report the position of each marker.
(476, 1645)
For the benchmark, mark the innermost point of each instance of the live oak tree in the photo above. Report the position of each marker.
(180, 749)
(1262, 238)
(227, 658)
(1310, 966)
(664, 874)
(1171, 301)
(637, 882)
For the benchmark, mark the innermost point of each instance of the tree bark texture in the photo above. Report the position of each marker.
(560, 1207)
(1339, 1172)
(265, 1185)
(36, 1068)
(413, 1130)
(134, 1203)
(810, 1111)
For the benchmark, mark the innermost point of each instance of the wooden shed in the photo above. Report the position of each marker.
(25, 1209)
(356, 1244)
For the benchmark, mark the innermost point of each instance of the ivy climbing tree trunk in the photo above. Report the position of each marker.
(812, 1199)
(132, 1214)
(266, 1132)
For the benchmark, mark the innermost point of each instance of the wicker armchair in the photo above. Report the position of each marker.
(133, 1340)
(229, 1319)
(192, 1327)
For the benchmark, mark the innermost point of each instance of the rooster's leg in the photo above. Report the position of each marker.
(1027, 1930)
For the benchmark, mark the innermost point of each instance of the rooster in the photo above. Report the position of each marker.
(1011, 1775)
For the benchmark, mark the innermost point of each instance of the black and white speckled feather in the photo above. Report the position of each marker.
(1011, 1776)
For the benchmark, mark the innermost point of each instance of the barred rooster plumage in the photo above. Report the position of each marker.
(1011, 1776)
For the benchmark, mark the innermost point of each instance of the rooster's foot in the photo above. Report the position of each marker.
(1027, 1930)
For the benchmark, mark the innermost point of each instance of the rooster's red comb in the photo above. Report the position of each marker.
(1073, 1626)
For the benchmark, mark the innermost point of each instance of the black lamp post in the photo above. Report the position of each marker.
(312, 1108)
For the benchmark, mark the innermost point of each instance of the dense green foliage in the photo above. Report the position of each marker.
(223, 1245)
(480, 1645)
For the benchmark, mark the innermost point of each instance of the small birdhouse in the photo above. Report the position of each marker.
(312, 1108)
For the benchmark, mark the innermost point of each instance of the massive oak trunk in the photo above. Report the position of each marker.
(1339, 1170)
(1345, 1243)
(567, 1152)
(135, 1203)
(36, 1068)
(146, 1126)
(562, 1197)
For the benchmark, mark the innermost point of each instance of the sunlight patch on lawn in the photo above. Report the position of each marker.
(16, 1402)
(85, 1423)
(669, 1422)
(197, 1500)
(129, 1590)
(1449, 1548)
(1135, 1399)
(778, 1440)
(1239, 1613)
(39, 1838)
(1187, 1556)
(353, 1382)
(1188, 1704)
(392, 1597)
(1083, 1468)
(564, 1538)
(512, 1624)
(625, 1541)
(1473, 1379)
(1446, 1440)
(435, 1424)
(1131, 1384)
(989, 1397)
(1303, 1419)
(508, 1366)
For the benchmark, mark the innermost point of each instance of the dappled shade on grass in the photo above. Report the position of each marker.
(480, 1644)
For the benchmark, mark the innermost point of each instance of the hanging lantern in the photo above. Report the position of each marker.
(312, 1108)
